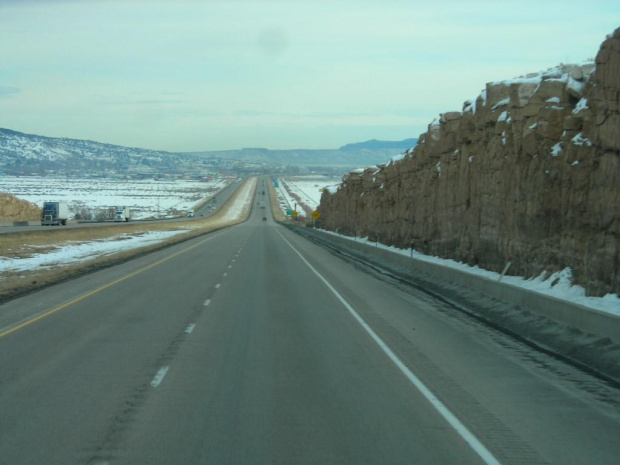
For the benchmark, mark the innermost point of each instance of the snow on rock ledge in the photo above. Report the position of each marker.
(543, 192)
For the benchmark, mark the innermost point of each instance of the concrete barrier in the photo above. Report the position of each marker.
(567, 313)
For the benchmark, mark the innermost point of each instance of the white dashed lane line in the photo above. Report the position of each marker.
(190, 328)
(207, 302)
(218, 285)
(159, 377)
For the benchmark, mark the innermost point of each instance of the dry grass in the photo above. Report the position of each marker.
(25, 244)
(14, 209)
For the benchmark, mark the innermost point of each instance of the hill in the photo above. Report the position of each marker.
(22, 153)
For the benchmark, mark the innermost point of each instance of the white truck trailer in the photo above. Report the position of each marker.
(54, 213)
(122, 214)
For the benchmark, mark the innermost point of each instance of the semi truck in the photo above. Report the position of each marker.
(54, 213)
(122, 214)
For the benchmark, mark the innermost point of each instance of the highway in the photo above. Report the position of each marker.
(252, 345)
(205, 211)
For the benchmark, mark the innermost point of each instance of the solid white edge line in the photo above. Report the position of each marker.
(459, 427)
(159, 377)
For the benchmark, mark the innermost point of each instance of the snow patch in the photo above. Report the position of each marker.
(501, 103)
(558, 285)
(84, 252)
(579, 140)
(483, 96)
(242, 201)
(581, 105)
(397, 158)
(469, 106)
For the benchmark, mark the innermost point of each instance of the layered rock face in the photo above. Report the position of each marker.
(527, 173)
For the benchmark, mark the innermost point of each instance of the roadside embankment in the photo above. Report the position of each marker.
(587, 337)
(275, 204)
(13, 209)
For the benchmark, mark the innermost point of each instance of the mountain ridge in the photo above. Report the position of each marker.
(21, 151)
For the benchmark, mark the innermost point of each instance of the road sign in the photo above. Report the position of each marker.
(295, 213)
(316, 215)
(289, 212)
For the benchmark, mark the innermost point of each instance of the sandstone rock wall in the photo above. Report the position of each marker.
(529, 172)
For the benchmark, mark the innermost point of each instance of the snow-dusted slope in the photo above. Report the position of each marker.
(15, 145)
(27, 153)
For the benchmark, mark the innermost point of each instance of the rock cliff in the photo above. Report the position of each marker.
(527, 173)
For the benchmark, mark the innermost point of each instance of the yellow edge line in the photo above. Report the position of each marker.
(96, 291)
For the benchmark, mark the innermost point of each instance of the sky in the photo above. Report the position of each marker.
(190, 75)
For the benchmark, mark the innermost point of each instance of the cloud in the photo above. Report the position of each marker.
(145, 102)
(273, 41)
(7, 91)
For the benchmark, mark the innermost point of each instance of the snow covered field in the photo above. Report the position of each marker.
(558, 285)
(86, 251)
(69, 253)
(147, 198)
(307, 188)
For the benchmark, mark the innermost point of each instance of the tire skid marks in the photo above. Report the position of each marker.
(131, 402)
(152, 379)
(166, 359)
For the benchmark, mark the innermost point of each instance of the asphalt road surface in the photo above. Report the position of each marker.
(252, 345)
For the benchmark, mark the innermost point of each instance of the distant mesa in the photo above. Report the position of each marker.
(375, 144)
